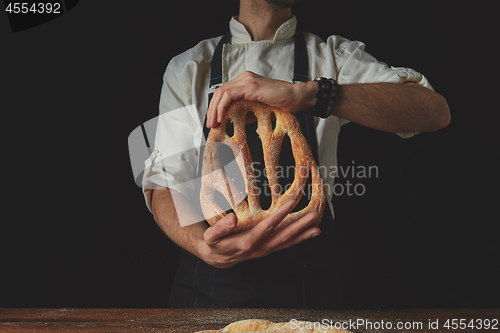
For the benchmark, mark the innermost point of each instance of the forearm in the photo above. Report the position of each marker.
(216, 245)
(391, 107)
(165, 211)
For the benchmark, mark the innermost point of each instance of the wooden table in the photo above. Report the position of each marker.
(191, 320)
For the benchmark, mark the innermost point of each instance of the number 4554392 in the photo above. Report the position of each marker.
(455, 324)
(35, 8)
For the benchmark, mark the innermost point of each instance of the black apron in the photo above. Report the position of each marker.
(302, 276)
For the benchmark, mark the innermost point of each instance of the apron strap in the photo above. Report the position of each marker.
(301, 74)
(216, 66)
(300, 58)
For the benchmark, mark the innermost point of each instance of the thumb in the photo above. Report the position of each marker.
(221, 229)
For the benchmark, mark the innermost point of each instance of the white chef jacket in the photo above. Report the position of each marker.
(184, 96)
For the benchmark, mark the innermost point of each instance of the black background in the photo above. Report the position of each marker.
(75, 229)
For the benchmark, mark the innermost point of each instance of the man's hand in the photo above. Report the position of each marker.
(214, 244)
(222, 250)
(291, 97)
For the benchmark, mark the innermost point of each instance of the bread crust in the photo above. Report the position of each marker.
(214, 179)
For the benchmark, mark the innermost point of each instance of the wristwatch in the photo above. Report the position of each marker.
(327, 91)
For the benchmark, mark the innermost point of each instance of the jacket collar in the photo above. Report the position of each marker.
(240, 35)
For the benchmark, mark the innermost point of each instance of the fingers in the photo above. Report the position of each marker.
(241, 87)
(266, 230)
(225, 249)
(223, 96)
(271, 223)
(226, 99)
(281, 94)
(295, 233)
(221, 229)
(212, 111)
(221, 100)
(265, 241)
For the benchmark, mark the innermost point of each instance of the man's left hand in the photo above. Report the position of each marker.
(290, 97)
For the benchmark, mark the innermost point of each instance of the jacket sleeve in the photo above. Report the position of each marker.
(355, 65)
(173, 163)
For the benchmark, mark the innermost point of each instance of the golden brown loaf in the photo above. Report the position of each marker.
(214, 178)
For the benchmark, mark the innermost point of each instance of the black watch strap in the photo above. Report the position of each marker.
(327, 92)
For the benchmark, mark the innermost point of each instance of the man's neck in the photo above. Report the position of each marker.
(262, 19)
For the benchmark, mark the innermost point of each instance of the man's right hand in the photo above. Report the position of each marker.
(222, 249)
(216, 245)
